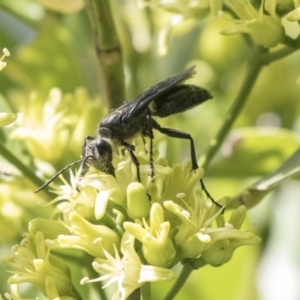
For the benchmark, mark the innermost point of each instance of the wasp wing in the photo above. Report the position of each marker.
(178, 99)
(161, 89)
(167, 97)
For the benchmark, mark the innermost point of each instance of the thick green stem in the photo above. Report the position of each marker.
(254, 67)
(108, 51)
(180, 281)
(188, 267)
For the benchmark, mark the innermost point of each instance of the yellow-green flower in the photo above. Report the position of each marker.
(51, 127)
(182, 10)
(127, 271)
(158, 248)
(33, 263)
(226, 239)
(134, 231)
(93, 239)
(265, 30)
(196, 218)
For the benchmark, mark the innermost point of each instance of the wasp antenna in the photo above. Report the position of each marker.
(57, 174)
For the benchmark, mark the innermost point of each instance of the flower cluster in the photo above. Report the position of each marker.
(265, 29)
(134, 232)
(33, 263)
(50, 127)
(263, 24)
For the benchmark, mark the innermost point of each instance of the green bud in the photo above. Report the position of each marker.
(219, 253)
(195, 245)
(223, 243)
(138, 204)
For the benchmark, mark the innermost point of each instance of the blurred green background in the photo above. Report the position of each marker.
(50, 49)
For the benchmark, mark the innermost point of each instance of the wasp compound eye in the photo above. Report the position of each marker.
(104, 149)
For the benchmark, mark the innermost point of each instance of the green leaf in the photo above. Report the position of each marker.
(254, 152)
(257, 191)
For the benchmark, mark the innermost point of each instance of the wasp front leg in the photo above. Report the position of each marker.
(130, 149)
(84, 157)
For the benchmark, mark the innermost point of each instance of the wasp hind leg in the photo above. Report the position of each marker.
(149, 133)
(183, 135)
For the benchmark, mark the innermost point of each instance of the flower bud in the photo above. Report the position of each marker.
(219, 253)
(195, 245)
(138, 204)
(157, 248)
(223, 243)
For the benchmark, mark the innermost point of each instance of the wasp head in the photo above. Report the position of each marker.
(98, 153)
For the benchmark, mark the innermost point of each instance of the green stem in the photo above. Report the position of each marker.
(135, 295)
(254, 67)
(108, 51)
(25, 170)
(180, 281)
(87, 263)
(146, 291)
(270, 57)
(291, 45)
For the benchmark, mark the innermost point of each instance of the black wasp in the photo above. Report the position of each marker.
(168, 97)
